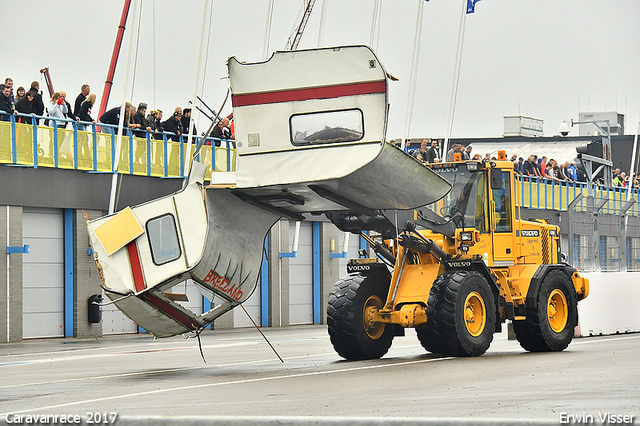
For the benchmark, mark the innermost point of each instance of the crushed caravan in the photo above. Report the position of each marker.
(310, 131)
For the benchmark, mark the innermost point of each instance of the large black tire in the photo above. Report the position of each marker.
(352, 336)
(549, 326)
(461, 315)
(429, 333)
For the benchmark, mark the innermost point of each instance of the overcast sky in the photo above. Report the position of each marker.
(546, 59)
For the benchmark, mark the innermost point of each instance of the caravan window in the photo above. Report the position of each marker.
(163, 239)
(327, 127)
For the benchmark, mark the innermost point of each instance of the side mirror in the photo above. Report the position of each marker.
(496, 178)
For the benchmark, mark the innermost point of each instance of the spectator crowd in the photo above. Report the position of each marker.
(534, 166)
(139, 120)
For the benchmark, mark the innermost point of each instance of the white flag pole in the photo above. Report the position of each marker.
(454, 83)
(413, 77)
(187, 157)
(127, 76)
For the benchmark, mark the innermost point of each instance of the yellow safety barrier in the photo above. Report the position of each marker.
(89, 151)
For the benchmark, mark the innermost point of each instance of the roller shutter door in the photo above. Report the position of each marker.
(43, 274)
(115, 322)
(301, 276)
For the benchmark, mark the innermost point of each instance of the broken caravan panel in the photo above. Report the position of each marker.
(310, 129)
(214, 235)
(210, 229)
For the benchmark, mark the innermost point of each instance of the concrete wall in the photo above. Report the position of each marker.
(73, 189)
(613, 304)
(11, 268)
(86, 280)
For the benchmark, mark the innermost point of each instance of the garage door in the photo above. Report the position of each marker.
(115, 322)
(301, 276)
(43, 274)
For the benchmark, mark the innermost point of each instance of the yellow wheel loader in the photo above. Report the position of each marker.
(456, 271)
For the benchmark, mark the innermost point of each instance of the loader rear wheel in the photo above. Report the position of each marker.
(460, 315)
(549, 326)
(352, 304)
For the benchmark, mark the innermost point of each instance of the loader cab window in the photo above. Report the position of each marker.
(502, 200)
(163, 239)
(465, 203)
(326, 127)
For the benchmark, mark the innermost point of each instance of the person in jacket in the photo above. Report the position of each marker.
(37, 104)
(57, 109)
(112, 117)
(6, 104)
(24, 106)
(84, 92)
(432, 152)
(154, 127)
(186, 121)
(69, 114)
(84, 113)
(173, 124)
(140, 123)
(19, 93)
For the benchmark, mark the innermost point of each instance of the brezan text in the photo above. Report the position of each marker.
(223, 284)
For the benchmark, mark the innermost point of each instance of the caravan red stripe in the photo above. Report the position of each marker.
(323, 92)
(136, 267)
(171, 311)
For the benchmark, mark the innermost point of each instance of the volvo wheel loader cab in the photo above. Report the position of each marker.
(456, 271)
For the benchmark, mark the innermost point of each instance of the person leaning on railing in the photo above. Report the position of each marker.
(112, 117)
(25, 106)
(6, 104)
(37, 104)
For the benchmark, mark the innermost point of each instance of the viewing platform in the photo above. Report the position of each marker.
(94, 150)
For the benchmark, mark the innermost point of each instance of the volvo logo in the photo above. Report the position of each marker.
(460, 264)
(530, 233)
(358, 267)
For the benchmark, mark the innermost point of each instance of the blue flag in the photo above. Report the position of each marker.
(471, 5)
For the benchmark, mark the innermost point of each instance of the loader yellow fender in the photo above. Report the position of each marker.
(371, 307)
(475, 314)
(557, 310)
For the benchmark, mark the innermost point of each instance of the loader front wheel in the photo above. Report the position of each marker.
(550, 325)
(461, 316)
(353, 302)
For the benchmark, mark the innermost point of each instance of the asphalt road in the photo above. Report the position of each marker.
(136, 375)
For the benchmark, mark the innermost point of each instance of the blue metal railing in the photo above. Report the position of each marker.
(30, 144)
(548, 194)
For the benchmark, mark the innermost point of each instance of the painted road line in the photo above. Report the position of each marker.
(235, 382)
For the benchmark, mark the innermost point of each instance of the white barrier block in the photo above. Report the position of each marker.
(612, 305)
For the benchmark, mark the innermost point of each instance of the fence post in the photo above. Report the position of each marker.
(596, 232)
(622, 233)
(570, 210)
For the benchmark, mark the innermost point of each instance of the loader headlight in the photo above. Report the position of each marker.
(466, 236)
(472, 167)
(553, 232)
